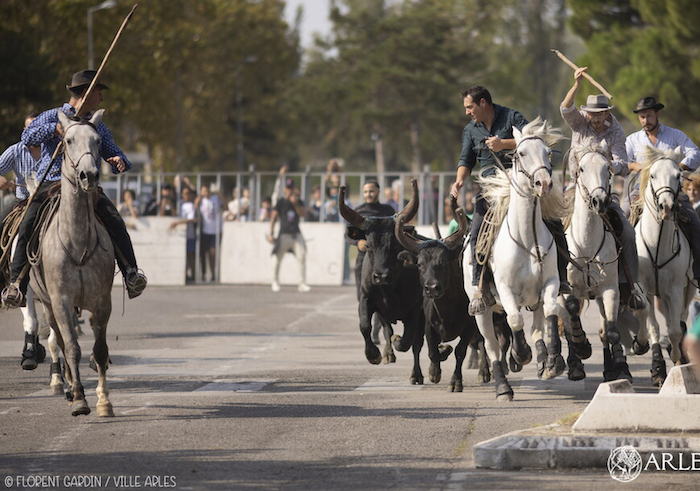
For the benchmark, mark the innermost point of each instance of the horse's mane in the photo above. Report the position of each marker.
(541, 128)
(589, 144)
(496, 190)
(647, 158)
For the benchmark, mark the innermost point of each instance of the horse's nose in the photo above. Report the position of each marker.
(88, 179)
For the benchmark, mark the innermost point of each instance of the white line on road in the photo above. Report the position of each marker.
(215, 316)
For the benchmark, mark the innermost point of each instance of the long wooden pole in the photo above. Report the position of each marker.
(77, 111)
(590, 79)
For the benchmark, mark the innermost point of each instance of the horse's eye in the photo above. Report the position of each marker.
(68, 141)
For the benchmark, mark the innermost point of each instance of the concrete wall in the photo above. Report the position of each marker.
(246, 259)
(160, 252)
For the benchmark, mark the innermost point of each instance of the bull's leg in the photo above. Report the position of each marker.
(456, 384)
(372, 353)
(64, 317)
(504, 334)
(477, 345)
(435, 372)
(98, 321)
(417, 373)
(389, 356)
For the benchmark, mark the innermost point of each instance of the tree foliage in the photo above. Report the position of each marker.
(644, 47)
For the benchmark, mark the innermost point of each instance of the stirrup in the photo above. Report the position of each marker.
(637, 300)
(135, 282)
(12, 296)
(564, 288)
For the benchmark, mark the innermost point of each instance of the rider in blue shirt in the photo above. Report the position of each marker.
(46, 131)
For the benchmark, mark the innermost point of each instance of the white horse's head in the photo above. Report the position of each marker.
(532, 157)
(661, 179)
(593, 173)
(81, 152)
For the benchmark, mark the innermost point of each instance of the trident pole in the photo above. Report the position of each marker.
(78, 113)
(575, 67)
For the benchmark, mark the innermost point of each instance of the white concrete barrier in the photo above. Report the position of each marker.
(246, 254)
(160, 252)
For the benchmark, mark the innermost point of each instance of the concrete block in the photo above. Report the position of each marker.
(246, 259)
(682, 379)
(616, 407)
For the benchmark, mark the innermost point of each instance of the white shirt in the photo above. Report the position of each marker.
(666, 139)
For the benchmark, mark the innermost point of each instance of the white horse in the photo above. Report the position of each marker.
(664, 258)
(523, 257)
(594, 270)
(75, 266)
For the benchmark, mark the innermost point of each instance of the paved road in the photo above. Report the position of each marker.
(218, 387)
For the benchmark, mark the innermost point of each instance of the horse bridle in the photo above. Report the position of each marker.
(584, 190)
(71, 162)
(663, 189)
(519, 168)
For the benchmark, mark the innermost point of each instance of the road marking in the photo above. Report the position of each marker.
(228, 385)
(215, 316)
(380, 385)
(9, 410)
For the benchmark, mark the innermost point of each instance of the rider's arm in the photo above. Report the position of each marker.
(7, 159)
(618, 149)
(110, 149)
(690, 150)
(42, 129)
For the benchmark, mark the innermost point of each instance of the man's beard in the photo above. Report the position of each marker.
(651, 127)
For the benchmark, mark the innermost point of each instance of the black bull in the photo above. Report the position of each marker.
(445, 301)
(386, 286)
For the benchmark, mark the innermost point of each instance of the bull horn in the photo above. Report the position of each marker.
(436, 231)
(409, 212)
(352, 217)
(455, 238)
(410, 243)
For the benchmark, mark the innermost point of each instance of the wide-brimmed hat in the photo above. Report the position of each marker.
(596, 103)
(648, 102)
(84, 78)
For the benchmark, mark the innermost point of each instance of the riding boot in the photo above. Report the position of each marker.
(556, 228)
(692, 231)
(134, 278)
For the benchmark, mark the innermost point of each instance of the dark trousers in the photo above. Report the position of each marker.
(556, 228)
(107, 213)
(116, 228)
(692, 232)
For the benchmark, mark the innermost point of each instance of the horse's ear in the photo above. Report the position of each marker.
(63, 119)
(96, 118)
(604, 146)
(517, 134)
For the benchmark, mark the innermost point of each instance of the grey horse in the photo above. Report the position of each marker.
(75, 266)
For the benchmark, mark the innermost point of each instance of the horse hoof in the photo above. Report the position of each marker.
(515, 367)
(373, 355)
(435, 373)
(540, 370)
(57, 390)
(415, 380)
(639, 349)
(40, 353)
(389, 359)
(554, 368)
(29, 364)
(456, 386)
(104, 410)
(583, 350)
(576, 373)
(80, 408)
(483, 377)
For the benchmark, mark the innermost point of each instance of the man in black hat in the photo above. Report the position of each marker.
(289, 210)
(595, 121)
(46, 131)
(656, 135)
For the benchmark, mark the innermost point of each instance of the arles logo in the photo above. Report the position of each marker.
(624, 463)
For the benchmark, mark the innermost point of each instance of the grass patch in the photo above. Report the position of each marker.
(569, 419)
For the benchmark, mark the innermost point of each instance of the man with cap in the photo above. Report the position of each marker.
(289, 210)
(486, 138)
(597, 122)
(656, 135)
(46, 131)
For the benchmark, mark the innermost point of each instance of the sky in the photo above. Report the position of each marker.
(315, 18)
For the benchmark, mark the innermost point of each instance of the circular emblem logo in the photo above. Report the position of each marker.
(624, 463)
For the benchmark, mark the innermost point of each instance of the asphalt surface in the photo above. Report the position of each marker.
(236, 387)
